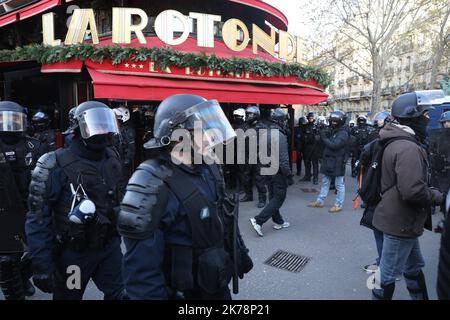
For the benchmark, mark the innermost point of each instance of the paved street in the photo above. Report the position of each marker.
(337, 245)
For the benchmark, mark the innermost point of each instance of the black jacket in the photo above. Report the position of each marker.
(335, 152)
(443, 285)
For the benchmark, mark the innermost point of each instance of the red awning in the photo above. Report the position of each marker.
(28, 11)
(37, 8)
(71, 66)
(8, 18)
(108, 86)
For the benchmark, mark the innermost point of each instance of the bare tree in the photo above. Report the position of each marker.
(440, 33)
(372, 29)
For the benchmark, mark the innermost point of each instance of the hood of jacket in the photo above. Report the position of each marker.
(393, 130)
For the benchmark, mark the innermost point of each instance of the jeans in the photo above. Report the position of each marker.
(379, 241)
(340, 187)
(400, 256)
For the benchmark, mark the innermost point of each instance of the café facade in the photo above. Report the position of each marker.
(55, 54)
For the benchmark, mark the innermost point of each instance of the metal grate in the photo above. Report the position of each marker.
(287, 261)
(306, 190)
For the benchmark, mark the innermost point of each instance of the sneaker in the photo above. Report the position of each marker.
(281, 226)
(316, 204)
(335, 209)
(371, 268)
(256, 226)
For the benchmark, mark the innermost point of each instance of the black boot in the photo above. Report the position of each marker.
(247, 198)
(28, 288)
(306, 179)
(261, 203)
(316, 181)
(385, 293)
(417, 286)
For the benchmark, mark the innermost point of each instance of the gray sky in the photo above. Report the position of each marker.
(296, 16)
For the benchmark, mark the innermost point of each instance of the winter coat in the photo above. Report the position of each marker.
(335, 153)
(406, 201)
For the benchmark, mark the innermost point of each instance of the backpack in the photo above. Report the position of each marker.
(369, 176)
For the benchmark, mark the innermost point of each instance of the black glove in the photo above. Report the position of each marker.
(437, 198)
(44, 282)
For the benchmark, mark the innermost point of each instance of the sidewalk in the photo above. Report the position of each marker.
(337, 245)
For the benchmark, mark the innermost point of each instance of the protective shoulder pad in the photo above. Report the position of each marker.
(145, 201)
(39, 179)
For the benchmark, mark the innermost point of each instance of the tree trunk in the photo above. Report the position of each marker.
(437, 59)
(377, 70)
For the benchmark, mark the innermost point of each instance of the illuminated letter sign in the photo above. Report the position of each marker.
(122, 25)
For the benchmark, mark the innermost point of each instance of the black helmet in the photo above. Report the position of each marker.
(361, 120)
(278, 115)
(252, 114)
(183, 111)
(338, 117)
(445, 117)
(310, 116)
(302, 121)
(381, 118)
(40, 120)
(94, 118)
(72, 122)
(411, 105)
(12, 117)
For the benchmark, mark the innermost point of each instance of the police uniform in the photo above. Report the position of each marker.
(126, 147)
(47, 139)
(173, 217)
(253, 171)
(363, 134)
(311, 151)
(57, 243)
(18, 156)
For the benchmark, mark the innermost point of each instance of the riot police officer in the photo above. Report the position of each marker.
(42, 131)
(73, 202)
(172, 217)
(311, 149)
(68, 134)
(125, 144)
(237, 170)
(253, 170)
(18, 156)
(298, 139)
(445, 120)
(362, 134)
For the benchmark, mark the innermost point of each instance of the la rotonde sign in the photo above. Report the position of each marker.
(235, 33)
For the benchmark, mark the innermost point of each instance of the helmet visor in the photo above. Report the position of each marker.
(215, 125)
(13, 121)
(97, 121)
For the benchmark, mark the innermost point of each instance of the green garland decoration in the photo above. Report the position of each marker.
(164, 57)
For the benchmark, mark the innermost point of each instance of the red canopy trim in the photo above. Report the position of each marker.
(8, 18)
(274, 16)
(72, 66)
(110, 86)
(145, 69)
(37, 8)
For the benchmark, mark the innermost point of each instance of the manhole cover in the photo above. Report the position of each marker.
(287, 261)
(305, 190)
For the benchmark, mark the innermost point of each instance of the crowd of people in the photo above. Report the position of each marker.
(76, 205)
